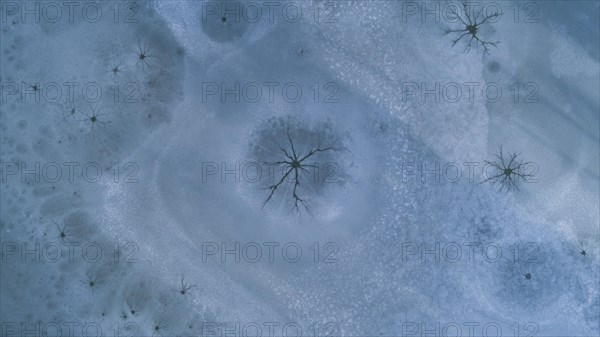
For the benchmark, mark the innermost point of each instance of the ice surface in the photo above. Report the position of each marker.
(164, 131)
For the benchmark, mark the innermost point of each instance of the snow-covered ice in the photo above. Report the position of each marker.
(143, 142)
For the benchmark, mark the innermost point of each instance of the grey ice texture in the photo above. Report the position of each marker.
(370, 213)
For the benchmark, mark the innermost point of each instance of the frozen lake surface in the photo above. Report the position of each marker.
(313, 168)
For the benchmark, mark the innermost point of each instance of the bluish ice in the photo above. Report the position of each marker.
(170, 126)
